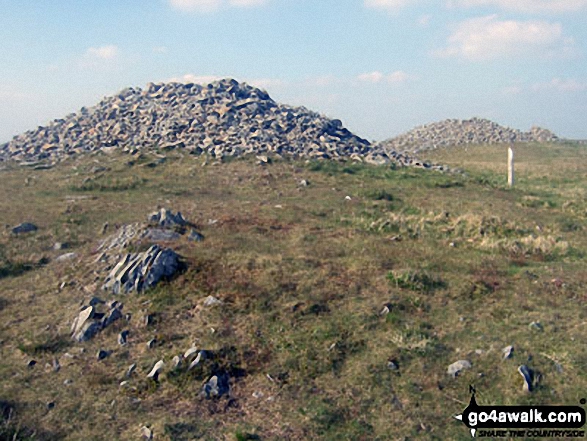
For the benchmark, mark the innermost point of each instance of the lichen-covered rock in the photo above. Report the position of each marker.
(140, 271)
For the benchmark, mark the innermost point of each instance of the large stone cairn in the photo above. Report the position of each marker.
(455, 132)
(224, 118)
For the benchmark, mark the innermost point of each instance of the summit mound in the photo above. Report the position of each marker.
(455, 132)
(223, 118)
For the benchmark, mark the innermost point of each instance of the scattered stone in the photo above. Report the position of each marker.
(148, 320)
(124, 383)
(140, 271)
(176, 362)
(508, 352)
(528, 375)
(123, 337)
(191, 351)
(60, 246)
(195, 236)
(386, 309)
(31, 364)
(263, 159)
(65, 257)
(217, 386)
(130, 370)
(95, 301)
(537, 326)
(393, 365)
(113, 315)
(154, 374)
(212, 301)
(83, 327)
(55, 365)
(104, 228)
(25, 227)
(258, 394)
(304, 183)
(151, 343)
(166, 219)
(102, 354)
(50, 405)
(196, 361)
(67, 382)
(456, 368)
(146, 433)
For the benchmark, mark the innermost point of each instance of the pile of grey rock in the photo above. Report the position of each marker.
(141, 271)
(455, 132)
(127, 271)
(90, 321)
(223, 119)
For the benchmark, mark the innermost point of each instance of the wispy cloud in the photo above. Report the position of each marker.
(561, 85)
(213, 5)
(389, 5)
(485, 38)
(247, 3)
(103, 52)
(528, 6)
(160, 49)
(192, 78)
(100, 57)
(396, 77)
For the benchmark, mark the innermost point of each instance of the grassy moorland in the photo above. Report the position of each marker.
(463, 263)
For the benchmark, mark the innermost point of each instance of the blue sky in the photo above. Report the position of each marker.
(382, 66)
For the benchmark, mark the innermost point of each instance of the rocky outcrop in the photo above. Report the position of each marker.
(455, 132)
(90, 321)
(140, 271)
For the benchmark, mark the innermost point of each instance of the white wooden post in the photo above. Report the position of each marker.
(511, 166)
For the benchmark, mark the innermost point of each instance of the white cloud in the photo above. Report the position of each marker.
(102, 57)
(528, 6)
(195, 5)
(390, 5)
(191, 78)
(511, 90)
(160, 49)
(247, 3)
(485, 38)
(213, 5)
(560, 85)
(396, 77)
(103, 52)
